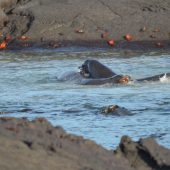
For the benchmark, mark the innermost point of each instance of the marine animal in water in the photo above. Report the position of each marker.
(92, 72)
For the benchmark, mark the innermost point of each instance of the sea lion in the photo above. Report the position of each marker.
(93, 72)
(96, 70)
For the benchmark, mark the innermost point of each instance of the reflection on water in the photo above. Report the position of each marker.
(29, 88)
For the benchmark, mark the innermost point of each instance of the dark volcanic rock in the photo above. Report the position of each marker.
(15, 20)
(38, 145)
(145, 154)
(81, 22)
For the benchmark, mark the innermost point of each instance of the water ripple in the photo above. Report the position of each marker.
(29, 88)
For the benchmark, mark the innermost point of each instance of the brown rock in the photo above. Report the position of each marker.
(36, 145)
(145, 154)
(51, 18)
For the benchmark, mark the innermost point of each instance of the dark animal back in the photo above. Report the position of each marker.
(98, 70)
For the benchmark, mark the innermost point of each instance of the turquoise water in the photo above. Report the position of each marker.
(29, 88)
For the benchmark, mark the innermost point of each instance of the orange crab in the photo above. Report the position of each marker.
(111, 42)
(128, 37)
(3, 45)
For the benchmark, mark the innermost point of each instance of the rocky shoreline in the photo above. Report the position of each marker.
(123, 24)
(37, 144)
(131, 24)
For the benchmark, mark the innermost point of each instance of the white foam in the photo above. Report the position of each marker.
(164, 78)
(131, 82)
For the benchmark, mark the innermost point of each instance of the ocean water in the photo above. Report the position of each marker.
(29, 88)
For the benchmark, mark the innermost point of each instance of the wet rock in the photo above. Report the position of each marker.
(38, 145)
(115, 110)
(145, 154)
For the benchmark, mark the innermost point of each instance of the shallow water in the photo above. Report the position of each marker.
(29, 88)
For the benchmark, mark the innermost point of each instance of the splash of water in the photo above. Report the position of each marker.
(164, 78)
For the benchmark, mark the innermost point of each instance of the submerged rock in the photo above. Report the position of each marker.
(115, 110)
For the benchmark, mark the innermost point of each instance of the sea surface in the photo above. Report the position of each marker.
(29, 88)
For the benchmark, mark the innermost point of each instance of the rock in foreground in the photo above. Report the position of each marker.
(38, 145)
(145, 154)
